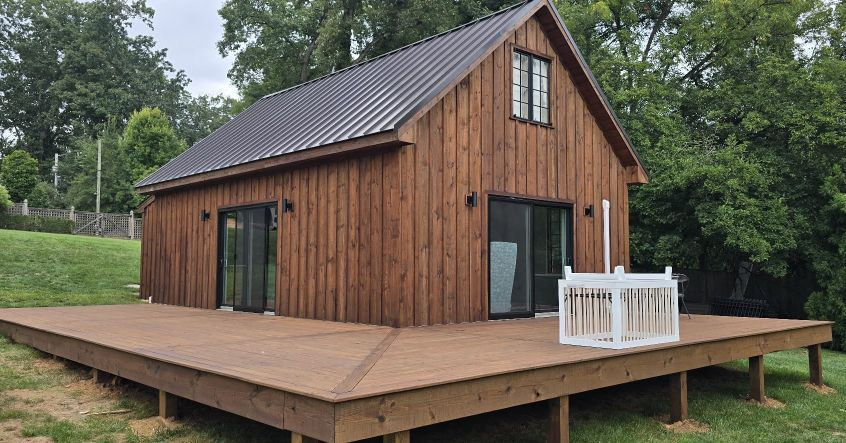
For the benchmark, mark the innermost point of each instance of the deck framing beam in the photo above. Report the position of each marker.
(350, 416)
(273, 407)
(368, 417)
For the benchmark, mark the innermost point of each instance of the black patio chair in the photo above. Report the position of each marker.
(682, 280)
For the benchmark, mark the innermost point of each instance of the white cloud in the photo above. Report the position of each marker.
(190, 30)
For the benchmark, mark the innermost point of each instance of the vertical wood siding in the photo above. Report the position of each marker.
(386, 238)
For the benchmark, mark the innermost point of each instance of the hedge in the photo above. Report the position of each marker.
(37, 224)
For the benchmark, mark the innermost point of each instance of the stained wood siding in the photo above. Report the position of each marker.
(386, 238)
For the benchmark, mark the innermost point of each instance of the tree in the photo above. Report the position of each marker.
(202, 115)
(5, 200)
(117, 193)
(278, 44)
(43, 195)
(149, 142)
(66, 67)
(19, 174)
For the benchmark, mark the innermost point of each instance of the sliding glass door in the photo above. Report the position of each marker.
(247, 259)
(530, 243)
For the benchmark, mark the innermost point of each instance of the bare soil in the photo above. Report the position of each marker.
(767, 403)
(69, 402)
(147, 427)
(824, 390)
(689, 426)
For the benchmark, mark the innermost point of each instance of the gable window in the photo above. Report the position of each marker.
(530, 87)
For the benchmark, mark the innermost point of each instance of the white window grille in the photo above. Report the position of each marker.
(619, 310)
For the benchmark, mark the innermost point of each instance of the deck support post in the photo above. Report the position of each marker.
(678, 396)
(296, 437)
(756, 378)
(101, 377)
(167, 404)
(815, 364)
(559, 419)
(397, 437)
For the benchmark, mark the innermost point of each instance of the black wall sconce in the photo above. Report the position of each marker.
(205, 215)
(472, 199)
(589, 211)
(287, 205)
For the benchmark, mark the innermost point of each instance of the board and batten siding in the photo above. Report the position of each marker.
(385, 237)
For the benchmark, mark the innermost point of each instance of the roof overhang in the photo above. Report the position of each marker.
(369, 142)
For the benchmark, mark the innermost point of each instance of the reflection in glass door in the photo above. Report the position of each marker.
(530, 243)
(247, 259)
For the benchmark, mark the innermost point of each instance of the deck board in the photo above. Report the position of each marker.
(320, 359)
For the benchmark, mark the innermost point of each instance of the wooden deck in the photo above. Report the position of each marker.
(341, 382)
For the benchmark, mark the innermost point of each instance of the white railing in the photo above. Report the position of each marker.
(618, 310)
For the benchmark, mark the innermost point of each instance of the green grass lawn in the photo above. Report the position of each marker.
(39, 269)
(42, 398)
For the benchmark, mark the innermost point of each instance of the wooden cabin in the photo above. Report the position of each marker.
(448, 181)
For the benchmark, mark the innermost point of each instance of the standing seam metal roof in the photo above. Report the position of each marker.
(371, 97)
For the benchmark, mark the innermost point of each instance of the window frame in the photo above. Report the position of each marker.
(550, 60)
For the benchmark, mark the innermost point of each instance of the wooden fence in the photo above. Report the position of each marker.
(88, 223)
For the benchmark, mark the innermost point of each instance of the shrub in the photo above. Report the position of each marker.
(43, 195)
(19, 174)
(37, 224)
(5, 200)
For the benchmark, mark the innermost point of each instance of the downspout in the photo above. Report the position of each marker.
(606, 235)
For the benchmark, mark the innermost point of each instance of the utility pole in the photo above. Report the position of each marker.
(56, 170)
(99, 164)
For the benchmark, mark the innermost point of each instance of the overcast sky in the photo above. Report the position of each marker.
(190, 30)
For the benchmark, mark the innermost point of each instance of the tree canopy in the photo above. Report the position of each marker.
(19, 174)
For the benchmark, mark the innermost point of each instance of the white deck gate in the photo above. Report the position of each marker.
(618, 310)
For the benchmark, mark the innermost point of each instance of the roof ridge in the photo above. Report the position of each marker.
(394, 51)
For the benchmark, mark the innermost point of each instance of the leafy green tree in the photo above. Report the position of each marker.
(43, 195)
(117, 193)
(67, 66)
(149, 142)
(19, 174)
(828, 259)
(278, 44)
(202, 115)
(5, 200)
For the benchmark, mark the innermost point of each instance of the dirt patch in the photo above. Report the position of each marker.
(689, 426)
(147, 427)
(767, 403)
(10, 432)
(70, 402)
(824, 390)
(48, 364)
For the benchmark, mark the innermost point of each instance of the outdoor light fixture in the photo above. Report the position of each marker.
(472, 199)
(287, 205)
(589, 211)
(204, 215)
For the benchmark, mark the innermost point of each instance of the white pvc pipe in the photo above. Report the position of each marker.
(606, 235)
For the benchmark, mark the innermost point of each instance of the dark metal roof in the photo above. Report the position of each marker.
(371, 97)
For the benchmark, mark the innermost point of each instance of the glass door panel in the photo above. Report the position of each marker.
(248, 259)
(549, 241)
(510, 284)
